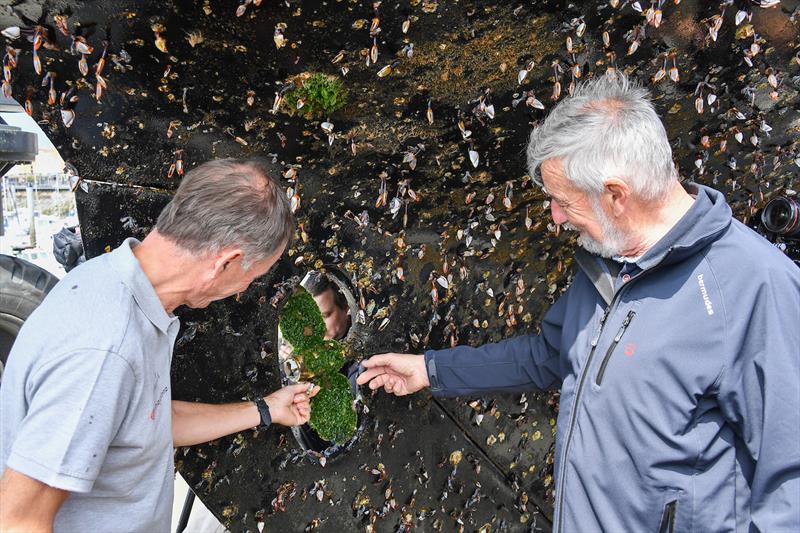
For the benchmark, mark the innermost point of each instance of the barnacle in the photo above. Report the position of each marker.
(194, 38)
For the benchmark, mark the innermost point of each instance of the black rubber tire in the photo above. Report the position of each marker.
(23, 286)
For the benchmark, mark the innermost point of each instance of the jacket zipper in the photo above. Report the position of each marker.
(668, 517)
(614, 343)
(574, 414)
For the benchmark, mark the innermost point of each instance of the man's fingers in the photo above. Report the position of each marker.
(384, 359)
(299, 388)
(378, 382)
(305, 397)
(302, 403)
(300, 398)
(394, 382)
(399, 388)
(300, 415)
(303, 387)
(371, 373)
(389, 383)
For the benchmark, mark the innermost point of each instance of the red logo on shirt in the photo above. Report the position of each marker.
(630, 349)
(158, 402)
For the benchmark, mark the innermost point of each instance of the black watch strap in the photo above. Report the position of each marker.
(263, 411)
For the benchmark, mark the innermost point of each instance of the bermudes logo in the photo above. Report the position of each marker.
(704, 294)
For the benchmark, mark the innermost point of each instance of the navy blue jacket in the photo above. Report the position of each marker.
(680, 383)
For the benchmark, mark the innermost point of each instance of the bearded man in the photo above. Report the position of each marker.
(676, 348)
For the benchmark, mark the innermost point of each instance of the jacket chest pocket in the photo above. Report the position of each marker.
(615, 341)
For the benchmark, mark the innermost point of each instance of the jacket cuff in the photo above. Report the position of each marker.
(430, 368)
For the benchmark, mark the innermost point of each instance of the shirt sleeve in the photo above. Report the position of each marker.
(760, 397)
(521, 363)
(76, 404)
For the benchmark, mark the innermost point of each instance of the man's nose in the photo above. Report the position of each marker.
(559, 217)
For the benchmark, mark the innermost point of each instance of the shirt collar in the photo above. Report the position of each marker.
(126, 264)
(624, 259)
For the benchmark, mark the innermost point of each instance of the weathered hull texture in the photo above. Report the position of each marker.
(479, 222)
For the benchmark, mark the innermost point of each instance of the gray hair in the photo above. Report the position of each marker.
(229, 202)
(608, 128)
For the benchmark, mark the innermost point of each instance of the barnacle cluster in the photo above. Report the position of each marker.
(317, 95)
(301, 324)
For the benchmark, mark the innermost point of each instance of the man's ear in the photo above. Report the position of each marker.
(224, 258)
(616, 193)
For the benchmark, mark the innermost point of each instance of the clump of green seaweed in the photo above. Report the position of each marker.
(323, 358)
(332, 414)
(320, 94)
(301, 322)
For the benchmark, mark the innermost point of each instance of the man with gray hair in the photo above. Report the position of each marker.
(676, 348)
(87, 425)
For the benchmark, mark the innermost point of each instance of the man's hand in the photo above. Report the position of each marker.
(195, 422)
(397, 373)
(290, 406)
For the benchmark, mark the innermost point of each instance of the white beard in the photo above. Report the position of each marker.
(614, 239)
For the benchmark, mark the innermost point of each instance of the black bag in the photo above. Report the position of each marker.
(68, 248)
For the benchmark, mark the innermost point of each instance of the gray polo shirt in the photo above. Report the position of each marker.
(85, 398)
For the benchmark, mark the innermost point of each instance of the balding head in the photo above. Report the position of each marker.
(229, 203)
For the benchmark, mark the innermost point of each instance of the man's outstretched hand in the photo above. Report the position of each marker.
(290, 406)
(397, 373)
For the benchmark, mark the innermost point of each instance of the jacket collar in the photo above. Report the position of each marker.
(704, 222)
(132, 275)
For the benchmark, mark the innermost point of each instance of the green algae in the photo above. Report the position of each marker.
(303, 327)
(332, 414)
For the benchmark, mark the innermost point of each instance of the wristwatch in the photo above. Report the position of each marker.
(263, 411)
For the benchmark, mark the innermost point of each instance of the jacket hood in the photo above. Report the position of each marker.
(702, 224)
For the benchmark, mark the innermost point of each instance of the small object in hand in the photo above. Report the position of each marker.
(310, 388)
